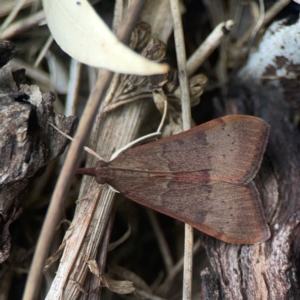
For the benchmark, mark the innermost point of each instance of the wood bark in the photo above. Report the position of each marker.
(268, 270)
(27, 142)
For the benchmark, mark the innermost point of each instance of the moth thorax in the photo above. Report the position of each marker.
(102, 172)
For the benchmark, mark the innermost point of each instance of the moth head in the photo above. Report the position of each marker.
(102, 172)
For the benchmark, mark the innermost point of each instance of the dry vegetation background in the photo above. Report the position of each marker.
(151, 248)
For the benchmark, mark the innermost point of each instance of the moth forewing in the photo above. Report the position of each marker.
(202, 176)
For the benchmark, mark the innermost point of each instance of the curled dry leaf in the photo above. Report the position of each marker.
(81, 33)
(117, 286)
(54, 257)
(92, 264)
(197, 83)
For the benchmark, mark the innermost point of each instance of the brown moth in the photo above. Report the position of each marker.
(203, 177)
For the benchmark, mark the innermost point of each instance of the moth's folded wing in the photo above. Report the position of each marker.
(230, 212)
(227, 149)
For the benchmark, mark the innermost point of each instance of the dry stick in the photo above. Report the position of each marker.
(186, 118)
(208, 46)
(43, 51)
(259, 21)
(270, 13)
(118, 15)
(176, 269)
(162, 243)
(274, 10)
(22, 25)
(12, 14)
(53, 215)
(93, 284)
(8, 6)
(121, 240)
(75, 68)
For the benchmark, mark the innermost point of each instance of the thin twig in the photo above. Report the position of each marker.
(113, 245)
(43, 51)
(208, 46)
(274, 10)
(118, 15)
(73, 87)
(22, 25)
(270, 13)
(177, 268)
(101, 261)
(12, 14)
(52, 218)
(161, 240)
(260, 20)
(7, 6)
(181, 62)
(186, 118)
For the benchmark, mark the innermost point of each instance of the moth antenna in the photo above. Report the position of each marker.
(163, 119)
(145, 137)
(87, 149)
(137, 141)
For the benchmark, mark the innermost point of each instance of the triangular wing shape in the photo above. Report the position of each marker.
(202, 177)
(229, 149)
(230, 212)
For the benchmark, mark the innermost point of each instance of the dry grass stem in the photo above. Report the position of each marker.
(43, 51)
(186, 120)
(22, 25)
(73, 87)
(177, 268)
(161, 240)
(208, 46)
(12, 14)
(121, 240)
(8, 6)
(270, 13)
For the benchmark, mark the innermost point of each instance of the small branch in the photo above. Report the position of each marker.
(43, 51)
(176, 269)
(162, 243)
(260, 20)
(208, 46)
(273, 11)
(74, 80)
(22, 25)
(181, 62)
(186, 118)
(13, 14)
(52, 218)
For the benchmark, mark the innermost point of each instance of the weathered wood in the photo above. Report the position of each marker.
(27, 143)
(7, 51)
(269, 270)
